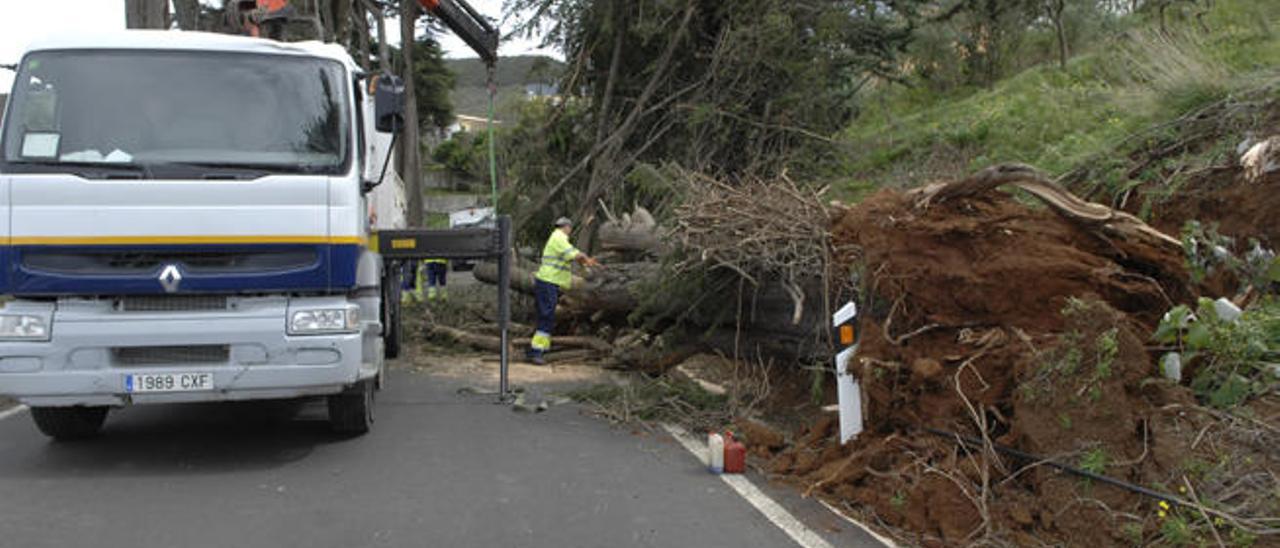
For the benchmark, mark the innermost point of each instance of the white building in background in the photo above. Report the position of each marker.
(540, 90)
(469, 124)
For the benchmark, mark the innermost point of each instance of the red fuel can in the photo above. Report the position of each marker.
(735, 455)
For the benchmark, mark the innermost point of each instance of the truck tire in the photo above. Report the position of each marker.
(351, 412)
(391, 339)
(69, 423)
(391, 315)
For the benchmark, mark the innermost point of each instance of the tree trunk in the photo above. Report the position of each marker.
(384, 54)
(187, 12)
(410, 142)
(146, 14)
(342, 23)
(635, 233)
(362, 29)
(493, 343)
(609, 291)
(324, 16)
(1056, 13)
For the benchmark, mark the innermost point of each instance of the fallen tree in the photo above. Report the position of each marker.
(610, 289)
(494, 344)
(633, 233)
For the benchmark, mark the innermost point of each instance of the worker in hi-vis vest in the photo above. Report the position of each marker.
(436, 272)
(555, 274)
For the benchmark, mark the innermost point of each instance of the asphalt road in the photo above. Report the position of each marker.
(440, 469)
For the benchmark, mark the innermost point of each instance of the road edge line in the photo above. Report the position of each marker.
(774, 512)
(866, 529)
(16, 410)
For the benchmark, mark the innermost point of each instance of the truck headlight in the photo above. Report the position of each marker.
(324, 321)
(23, 327)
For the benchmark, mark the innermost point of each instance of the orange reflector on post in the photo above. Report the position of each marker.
(846, 334)
(429, 5)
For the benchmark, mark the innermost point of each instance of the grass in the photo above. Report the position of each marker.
(1095, 461)
(1056, 118)
(653, 400)
(437, 220)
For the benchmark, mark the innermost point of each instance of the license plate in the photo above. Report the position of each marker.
(168, 382)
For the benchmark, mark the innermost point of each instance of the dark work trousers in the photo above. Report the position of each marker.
(408, 276)
(545, 295)
(436, 274)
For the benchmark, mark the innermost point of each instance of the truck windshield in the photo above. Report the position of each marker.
(110, 111)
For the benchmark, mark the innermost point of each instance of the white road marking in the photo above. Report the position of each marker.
(883, 539)
(13, 411)
(780, 517)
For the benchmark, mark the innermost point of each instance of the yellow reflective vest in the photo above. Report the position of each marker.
(557, 256)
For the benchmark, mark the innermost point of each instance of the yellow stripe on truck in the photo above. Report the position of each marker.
(184, 240)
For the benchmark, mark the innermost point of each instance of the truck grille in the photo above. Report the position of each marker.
(171, 355)
(173, 303)
(114, 263)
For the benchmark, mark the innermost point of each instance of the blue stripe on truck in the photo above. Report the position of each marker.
(333, 270)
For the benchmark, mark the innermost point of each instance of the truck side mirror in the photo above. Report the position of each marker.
(388, 103)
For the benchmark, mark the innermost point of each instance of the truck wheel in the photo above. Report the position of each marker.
(351, 412)
(69, 423)
(391, 338)
(391, 316)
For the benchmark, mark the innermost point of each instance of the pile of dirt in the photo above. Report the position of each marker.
(984, 277)
(1239, 208)
(992, 319)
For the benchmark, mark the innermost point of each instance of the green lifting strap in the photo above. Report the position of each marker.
(493, 155)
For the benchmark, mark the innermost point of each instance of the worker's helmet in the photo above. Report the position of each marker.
(563, 221)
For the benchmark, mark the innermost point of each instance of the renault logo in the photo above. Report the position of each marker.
(170, 278)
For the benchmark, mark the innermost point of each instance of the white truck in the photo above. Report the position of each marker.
(186, 217)
(191, 217)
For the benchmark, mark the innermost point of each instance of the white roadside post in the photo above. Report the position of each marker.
(848, 391)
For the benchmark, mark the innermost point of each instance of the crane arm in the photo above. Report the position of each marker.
(468, 24)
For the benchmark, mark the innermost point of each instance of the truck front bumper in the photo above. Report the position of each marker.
(94, 347)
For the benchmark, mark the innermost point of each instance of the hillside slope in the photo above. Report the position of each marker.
(1058, 119)
(514, 73)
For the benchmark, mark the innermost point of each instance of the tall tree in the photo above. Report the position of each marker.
(341, 16)
(146, 14)
(1056, 10)
(992, 30)
(380, 21)
(362, 30)
(410, 143)
(749, 87)
(433, 81)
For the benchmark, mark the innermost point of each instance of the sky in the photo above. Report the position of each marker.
(22, 21)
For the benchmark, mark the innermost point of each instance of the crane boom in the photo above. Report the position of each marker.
(258, 17)
(468, 24)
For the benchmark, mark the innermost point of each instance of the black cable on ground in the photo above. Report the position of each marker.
(1032, 459)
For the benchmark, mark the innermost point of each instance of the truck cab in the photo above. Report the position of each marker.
(185, 217)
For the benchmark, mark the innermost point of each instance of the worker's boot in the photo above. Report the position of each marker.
(534, 357)
(444, 294)
(431, 293)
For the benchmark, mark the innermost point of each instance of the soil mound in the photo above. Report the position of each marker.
(982, 281)
(993, 319)
(1239, 208)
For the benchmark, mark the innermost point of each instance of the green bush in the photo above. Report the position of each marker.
(1236, 359)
